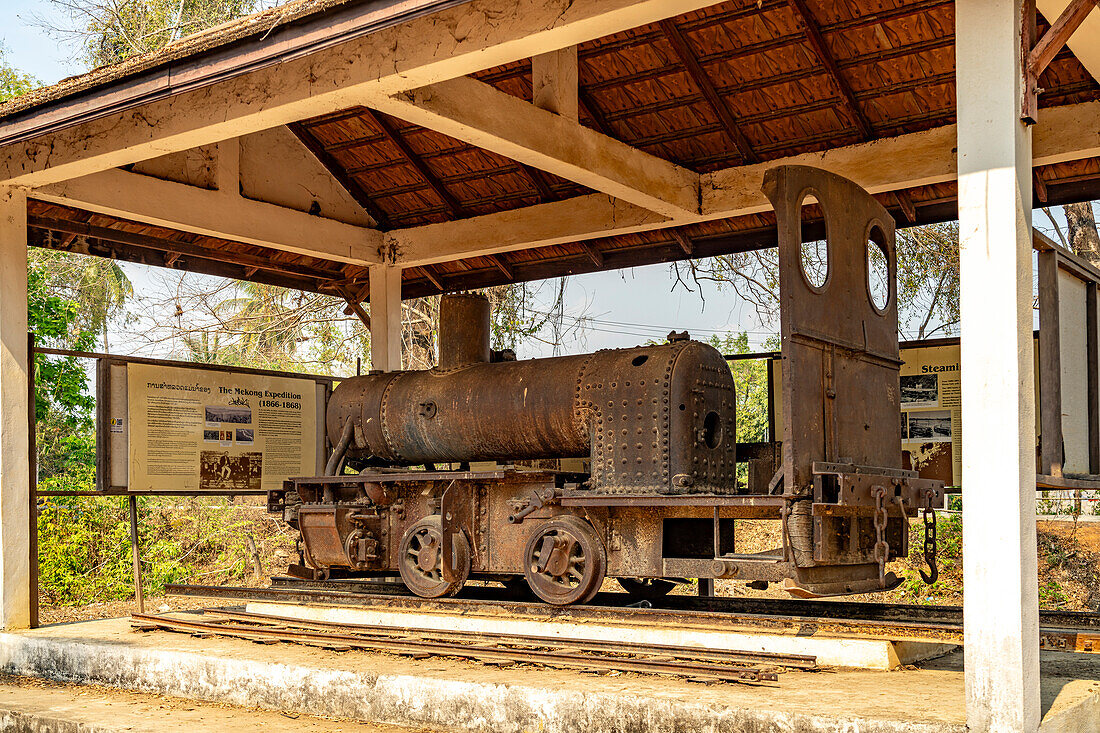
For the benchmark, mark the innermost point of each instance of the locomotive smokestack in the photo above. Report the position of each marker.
(463, 330)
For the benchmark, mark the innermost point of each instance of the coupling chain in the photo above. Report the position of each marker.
(882, 549)
(930, 545)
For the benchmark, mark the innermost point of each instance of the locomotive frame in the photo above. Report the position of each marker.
(842, 498)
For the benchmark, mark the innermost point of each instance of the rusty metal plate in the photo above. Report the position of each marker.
(840, 352)
(856, 490)
(323, 544)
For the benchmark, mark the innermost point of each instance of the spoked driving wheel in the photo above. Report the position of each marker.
(564, 561)
(646, 589)
(421, 559)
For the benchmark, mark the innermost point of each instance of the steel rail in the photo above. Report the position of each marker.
(1059, 630)
(566, 659)
(861, 610)
(919, 630)
(727, 656)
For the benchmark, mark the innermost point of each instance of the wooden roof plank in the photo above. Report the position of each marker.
(817, 42)
(688, 60)
(414, 160)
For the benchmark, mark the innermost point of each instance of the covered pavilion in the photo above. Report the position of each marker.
(387, 149)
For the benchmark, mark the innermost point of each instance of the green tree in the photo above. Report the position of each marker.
(750, 378)
(63, 407)
(927, 279)
(110, 31)
(98, 286)
(12, 81)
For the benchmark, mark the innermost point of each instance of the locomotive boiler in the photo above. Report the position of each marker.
(435, 474)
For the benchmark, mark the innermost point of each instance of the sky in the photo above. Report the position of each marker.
(29, 48)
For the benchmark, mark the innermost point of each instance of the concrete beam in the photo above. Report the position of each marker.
(1085, 42)
(443, 45)
(15, 476)
(1064, 133)
(559, 222)
(481, 115)
(228, 171)
(385, 318)
(554, 82)
(1000, 606)
(222, 214)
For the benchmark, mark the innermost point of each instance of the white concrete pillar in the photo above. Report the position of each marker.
(385, 318)
(15, 600)
(1000, 606)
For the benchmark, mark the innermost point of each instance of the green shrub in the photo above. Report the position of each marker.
(84, 542)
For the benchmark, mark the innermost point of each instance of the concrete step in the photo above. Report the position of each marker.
(29, 705)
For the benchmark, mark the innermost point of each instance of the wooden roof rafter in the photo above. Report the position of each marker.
(687, 58)
(175, 249)
(356, 191)
(817, 42)
(430, 275)
(395, 139)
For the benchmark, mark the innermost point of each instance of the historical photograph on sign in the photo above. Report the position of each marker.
(920, 390)
(244, 435)
(228, 413)
(212, 436)
(932, 426)
(220, 471)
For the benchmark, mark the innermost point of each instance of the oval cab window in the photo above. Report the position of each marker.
(878, 270)
(815, 253)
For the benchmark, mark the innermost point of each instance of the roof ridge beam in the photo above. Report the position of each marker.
(482, 115)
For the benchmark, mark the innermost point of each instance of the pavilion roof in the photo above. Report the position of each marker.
(743, 81)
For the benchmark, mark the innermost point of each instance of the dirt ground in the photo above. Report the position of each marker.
(115, 609)
(1069, 569)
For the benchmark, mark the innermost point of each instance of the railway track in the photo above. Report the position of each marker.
(693, 663)
(714, 604)
(1059, 630)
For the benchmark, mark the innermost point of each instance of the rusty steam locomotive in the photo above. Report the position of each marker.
(655, 497)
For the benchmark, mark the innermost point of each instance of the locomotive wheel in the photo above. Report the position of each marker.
(646, 589)
(564, 561)
(421, 559)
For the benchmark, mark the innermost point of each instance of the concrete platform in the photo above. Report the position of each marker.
(458, 695)
(829, 650)
(34, 706)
